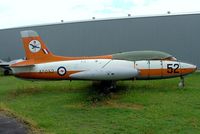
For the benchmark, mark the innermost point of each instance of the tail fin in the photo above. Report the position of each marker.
(34, 47)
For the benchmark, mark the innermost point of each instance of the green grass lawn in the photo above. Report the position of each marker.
(144, 107)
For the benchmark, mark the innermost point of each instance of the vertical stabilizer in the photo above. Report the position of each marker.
(34, 47)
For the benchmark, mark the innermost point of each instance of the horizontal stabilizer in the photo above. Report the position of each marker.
(24, 63)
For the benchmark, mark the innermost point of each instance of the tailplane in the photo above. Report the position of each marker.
(34, 47)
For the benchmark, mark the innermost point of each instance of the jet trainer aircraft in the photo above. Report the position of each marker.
(40, 63)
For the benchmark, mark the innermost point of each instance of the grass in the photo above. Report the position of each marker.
(144, 107)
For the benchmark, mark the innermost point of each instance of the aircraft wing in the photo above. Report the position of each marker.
(106, 74)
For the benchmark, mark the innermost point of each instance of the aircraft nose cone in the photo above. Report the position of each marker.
(195, 68)
(188, 68)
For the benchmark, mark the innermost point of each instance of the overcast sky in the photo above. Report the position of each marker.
(14, 13)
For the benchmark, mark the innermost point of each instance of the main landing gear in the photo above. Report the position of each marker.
(107, 86)
(181, 84)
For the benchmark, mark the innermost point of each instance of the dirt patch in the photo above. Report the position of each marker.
(125, 105)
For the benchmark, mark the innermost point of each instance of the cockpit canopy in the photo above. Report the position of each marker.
(143, 55)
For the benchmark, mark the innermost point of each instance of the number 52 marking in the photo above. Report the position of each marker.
(172, 68)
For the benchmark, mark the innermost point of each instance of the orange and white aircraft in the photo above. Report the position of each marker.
(40, 63)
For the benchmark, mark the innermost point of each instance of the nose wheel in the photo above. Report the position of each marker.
(181, 84)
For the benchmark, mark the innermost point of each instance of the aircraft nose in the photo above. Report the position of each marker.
(193, 67)
(188, 68)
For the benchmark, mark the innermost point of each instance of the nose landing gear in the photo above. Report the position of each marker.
(181, 84)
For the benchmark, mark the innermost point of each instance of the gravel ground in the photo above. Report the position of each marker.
(9, 125)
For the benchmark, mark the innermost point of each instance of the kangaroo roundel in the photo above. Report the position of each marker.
(34, 46)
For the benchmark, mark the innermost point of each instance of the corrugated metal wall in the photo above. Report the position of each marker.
(178, 35)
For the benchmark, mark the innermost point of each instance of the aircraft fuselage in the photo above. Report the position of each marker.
(105, 69)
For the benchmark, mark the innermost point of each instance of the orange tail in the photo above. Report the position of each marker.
(37, 52)
(34, 47)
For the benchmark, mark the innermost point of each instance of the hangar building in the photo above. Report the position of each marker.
(178, 35)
